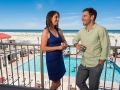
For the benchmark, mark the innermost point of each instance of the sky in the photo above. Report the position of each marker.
(31, 14)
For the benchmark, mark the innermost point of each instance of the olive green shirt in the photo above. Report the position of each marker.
(97, 45)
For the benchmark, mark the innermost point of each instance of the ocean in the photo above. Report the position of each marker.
(39, 31)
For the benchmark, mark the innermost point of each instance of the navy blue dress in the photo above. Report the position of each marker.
(54, 59)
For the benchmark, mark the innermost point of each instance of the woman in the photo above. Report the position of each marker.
(52, 42)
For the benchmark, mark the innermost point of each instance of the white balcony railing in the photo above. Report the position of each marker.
(13, 72)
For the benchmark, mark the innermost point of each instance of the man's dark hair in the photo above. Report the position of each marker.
(49, 19)
(91, 12)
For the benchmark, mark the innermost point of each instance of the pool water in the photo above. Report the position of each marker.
(72, 69)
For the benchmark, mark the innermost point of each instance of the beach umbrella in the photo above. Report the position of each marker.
(4, 36)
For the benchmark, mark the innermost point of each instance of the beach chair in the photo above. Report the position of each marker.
(71, 87)
(29, 82)
(15, 80)
(7, 79)
(21, 81)
(38, 84)
(31, 51)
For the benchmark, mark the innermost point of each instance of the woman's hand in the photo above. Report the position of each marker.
(62, 46)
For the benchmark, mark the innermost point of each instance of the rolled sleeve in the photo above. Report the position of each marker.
(76, 39)
(105, 44)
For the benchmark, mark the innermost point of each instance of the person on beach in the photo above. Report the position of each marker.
(96, 41)
(53, 42)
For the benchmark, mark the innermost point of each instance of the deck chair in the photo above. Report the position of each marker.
(15, 80)
(29, 82)
(38, 84)
(7, 79)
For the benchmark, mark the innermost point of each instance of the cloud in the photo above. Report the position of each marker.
(39, 6)
(71, 13)
(32, 25)
(43, 19)
(70, 22)
(111, 26)
(34, 18)
(117, 17)
(71, 25)
(104, 13)
(51, 1)
(70, 18)
(110, 19)
(35, 25)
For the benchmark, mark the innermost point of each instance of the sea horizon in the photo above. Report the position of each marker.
(40, 30)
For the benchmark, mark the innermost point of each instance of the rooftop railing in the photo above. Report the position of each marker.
(23, 66)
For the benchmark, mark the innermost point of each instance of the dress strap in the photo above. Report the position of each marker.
(58, 33)
(48, 30)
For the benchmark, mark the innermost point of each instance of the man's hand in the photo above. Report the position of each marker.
(77, 46)
(101, 62)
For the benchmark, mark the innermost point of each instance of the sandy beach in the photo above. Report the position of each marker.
(33, 37)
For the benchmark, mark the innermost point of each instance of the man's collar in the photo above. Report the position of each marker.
(92, 26)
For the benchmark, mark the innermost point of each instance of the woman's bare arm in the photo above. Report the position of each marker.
(44, 40)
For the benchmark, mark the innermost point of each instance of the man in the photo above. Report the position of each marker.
(96, 41)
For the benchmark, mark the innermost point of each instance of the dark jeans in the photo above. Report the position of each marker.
(93, 73)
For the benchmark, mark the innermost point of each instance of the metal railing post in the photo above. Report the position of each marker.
(42, 68)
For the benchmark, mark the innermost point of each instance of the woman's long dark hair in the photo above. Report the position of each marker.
(49, 18)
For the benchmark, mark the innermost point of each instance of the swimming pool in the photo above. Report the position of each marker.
(72, 65)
